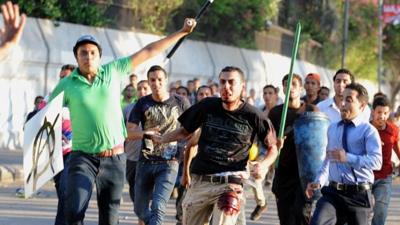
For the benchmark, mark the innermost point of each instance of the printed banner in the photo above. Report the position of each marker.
(391, 13)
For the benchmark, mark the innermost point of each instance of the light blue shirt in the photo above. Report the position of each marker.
(330, 108)
(364, 153)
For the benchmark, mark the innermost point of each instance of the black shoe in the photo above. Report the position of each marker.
(256, 214)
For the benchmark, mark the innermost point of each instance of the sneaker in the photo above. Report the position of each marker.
(256, 214)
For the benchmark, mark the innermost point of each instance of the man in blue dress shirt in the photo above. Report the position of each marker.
(353, 152)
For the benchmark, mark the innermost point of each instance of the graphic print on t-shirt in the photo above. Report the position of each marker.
(163, 116)
(227, 139)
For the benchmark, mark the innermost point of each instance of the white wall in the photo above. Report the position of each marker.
(45, 47)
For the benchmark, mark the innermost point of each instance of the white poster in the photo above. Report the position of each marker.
(42, 146)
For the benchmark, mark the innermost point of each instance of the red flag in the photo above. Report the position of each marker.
(391, 13)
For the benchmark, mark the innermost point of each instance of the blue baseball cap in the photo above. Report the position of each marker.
(87, 39)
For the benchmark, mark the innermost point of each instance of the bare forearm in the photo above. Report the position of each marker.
(175, 135)
(271, 156)
(189, 155)
(135, 134)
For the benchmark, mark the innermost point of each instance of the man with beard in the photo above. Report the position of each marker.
(228, 128)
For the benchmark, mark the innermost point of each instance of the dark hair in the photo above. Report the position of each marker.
(142, 81)
(68, 67)
(184, 88)
(214, 84)
(132, 75)
(361, 91)
(346, 71)
(380, 101)
(37, 98)
(379, 94)
(272, 87)
(233, 69)
(323, 87)
(295, 76)
(126, 87)
(156, 68)
(204, 86)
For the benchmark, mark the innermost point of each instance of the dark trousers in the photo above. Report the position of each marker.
(107, 173)
(340, 207)
(293, 207)
(60, 181)
(130, 177)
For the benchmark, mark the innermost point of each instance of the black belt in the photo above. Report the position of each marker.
(222, 179)
(350, 187)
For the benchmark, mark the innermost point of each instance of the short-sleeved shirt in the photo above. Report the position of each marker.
(287, 173)
(226, 136)
(95, 108)
(389, 138)
(164, 115)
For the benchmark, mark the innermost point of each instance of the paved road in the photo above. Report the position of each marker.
(41, 209)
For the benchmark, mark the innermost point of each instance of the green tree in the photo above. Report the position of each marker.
(232, 22)
(49, 9)
(74, 11)
(391, 59)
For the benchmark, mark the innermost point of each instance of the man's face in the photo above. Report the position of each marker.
(380, 115)
(196, 84)
(182, 92)
(312, 86)
(133, 80)
(88, 58)
(231, 86)
(190, 86)
(295, 89)
(65, 73)
(340, 83)
(129, 92)
(203, 93)
(157, 82)
(37, 102)
(323, 94)
(351, 106)
(143, 89)
(269, 95)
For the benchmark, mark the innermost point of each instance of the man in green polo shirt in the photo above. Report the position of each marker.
(92, 94)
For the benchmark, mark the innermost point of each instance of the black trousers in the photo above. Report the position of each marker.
(130, 177)
(293, 207)
(340, 207)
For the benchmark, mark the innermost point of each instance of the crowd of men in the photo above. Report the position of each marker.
(199, 139)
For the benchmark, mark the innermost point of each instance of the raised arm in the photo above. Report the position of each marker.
(13, 27)
(157, 47)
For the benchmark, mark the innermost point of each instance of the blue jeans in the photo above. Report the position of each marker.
(60, 181)
(382, 189)
(154, 181)
(109, 175)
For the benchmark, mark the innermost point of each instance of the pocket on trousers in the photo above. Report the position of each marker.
(360, 199)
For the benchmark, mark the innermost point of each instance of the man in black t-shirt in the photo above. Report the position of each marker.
(229, 126)
(293, 207)
(157, 168)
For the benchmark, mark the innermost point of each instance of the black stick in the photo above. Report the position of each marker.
(199, 14)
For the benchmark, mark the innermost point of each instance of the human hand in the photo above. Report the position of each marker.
(189, 25)
(13, 24)
(311, 187)
(280, 142)
(186, 179)
(337, 155)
